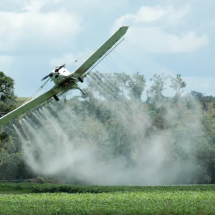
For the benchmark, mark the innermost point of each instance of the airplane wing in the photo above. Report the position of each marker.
(79, 72)
(101, 51)
(27, 106)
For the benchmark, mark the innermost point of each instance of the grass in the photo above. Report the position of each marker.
(22, 99)
(14, 191)
(92, 200)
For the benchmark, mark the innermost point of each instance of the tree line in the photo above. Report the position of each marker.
(115, 102)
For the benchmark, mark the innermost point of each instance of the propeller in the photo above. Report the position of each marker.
(49, 75)
(56, 70)
(59, 67)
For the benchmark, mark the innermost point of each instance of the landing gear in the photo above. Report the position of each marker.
(80, 79)
(81, 91)
(56, 98)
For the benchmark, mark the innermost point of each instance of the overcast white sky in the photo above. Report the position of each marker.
(176, 37)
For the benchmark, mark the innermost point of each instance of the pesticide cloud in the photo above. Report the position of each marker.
(111, 139)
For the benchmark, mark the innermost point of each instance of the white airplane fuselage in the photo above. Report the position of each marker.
(59, 75)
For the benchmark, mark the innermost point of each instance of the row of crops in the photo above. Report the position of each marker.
(54, 188)
(69, 199)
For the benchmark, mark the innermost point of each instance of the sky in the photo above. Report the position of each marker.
(174, 37)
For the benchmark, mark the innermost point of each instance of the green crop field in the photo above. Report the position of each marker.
(69, 199)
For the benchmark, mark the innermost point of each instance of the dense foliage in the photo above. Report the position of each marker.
(112, 118)
(12, 165)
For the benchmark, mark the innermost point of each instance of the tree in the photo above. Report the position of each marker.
(7, 100)
(203, 100)
(136, 86)
(197, 95)
(177, 84)
(155, 92)
(8, 147)
(6, 87)
(7, 97)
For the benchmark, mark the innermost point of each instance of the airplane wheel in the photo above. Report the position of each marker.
(80, 79)
(56, 98)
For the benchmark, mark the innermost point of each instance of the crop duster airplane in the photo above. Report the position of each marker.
(64, 80)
